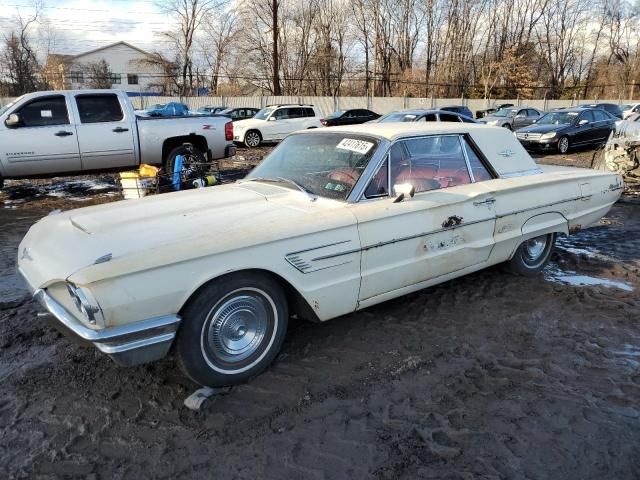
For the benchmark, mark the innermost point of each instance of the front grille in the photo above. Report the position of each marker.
(528, 136)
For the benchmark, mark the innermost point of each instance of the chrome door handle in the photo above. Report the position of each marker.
(488, 201)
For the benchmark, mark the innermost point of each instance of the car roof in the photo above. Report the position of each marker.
(420, 111)
(498, 144)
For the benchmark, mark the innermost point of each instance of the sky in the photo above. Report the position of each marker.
(81, 26)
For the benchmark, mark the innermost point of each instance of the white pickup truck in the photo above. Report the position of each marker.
(55, 132)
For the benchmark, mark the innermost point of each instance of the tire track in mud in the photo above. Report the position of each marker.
(486, 376)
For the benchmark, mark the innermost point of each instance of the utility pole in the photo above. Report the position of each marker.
(276, 67)
(375, 48)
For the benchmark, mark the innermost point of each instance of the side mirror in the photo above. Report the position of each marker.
(583, 122)
(403, 190)
(13, 120)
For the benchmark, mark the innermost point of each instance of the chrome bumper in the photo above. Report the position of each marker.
(132, 344)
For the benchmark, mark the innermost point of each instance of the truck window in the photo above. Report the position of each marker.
(44, 111)
(99, 108)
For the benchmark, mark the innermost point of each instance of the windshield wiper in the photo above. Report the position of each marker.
(311, 195)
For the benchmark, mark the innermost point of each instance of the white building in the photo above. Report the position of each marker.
(129, 66)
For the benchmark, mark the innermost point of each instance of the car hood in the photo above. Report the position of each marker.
(96, 243)
(248, 123)
(535, 128)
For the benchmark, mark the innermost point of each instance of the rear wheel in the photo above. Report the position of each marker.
(252, 139)
(192, 157)
(532, 255)
(232, 329)
(563, 144)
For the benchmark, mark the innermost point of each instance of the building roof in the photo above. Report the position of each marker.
(106, 47)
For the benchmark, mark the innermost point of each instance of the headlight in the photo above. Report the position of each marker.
(86, 304)
(548, 136)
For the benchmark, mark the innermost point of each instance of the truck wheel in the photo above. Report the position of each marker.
(532, 255)
(252, 138)
(169, 161)
(563, 144)
(232, 329)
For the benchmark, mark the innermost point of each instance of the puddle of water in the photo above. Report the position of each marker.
(77, 190)
(572, 278)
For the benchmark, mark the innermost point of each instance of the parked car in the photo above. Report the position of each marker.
(171, 109)
(240, 113)
(332, 221)
(629, 108)
(423, 115)
(354, 116)
(493, 109)
(275, 122)
(461, 109)
(211, 109)
(611, 108)
(47, 133)
(571, 127)
(513, 117)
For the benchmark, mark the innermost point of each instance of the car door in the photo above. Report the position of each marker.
(520, 119)
(602, 125)
(446, 227)
(286, 121)
(584, 133)
(105, 132)
(44, 142)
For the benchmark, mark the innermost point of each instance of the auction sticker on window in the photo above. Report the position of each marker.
(358, 146)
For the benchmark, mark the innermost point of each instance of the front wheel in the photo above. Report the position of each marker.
(563, 145)
(532, 255)
(232, 329)
(252, 139)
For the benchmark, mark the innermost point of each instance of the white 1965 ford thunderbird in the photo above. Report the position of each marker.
(334, 220)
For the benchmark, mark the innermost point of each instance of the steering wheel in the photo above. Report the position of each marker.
(344, 175)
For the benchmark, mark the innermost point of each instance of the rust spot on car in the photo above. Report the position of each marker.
(452, 221)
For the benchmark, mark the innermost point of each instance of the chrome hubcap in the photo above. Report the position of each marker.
(564, 144)
(237, 327)
(253, 139)
(534, 248)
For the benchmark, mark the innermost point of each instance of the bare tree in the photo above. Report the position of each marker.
(18, 57)
(99, 74)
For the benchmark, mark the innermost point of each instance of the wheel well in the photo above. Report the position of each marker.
(197, 141)
(297, 304)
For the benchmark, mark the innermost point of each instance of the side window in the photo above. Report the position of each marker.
(430, 163)
(533, 113)
(430, 117)
(379, 184)
(479, 171)
(99, 108)
(308, 112)
(45, 111)
(587, 116)
(447, 117)
(599, 116)
(282, 113)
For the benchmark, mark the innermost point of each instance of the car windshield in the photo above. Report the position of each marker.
(558, 118)
(9, 105)
(506, 112)
(322, 164)
(264, 113)
(399, 117)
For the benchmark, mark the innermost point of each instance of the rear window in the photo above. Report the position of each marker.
(99, 108)
(309, 112)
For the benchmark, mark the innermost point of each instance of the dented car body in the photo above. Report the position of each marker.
(364, 214)
(622, 151)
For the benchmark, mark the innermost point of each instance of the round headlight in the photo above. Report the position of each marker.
(86, 304)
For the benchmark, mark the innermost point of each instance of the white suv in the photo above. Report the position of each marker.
(275, 122)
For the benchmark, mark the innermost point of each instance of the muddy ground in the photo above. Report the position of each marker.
(486, 377)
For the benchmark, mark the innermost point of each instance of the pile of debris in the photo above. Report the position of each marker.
(622, 151)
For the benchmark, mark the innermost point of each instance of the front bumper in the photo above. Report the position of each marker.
(539, 144)
(132, 344)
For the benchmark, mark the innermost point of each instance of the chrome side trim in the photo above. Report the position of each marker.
(311, 259)
(131, 344)
(522, 173)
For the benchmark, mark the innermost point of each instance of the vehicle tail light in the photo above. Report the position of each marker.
(323, 122)
(228, 131)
